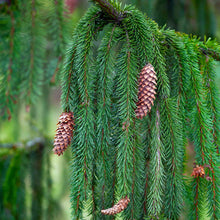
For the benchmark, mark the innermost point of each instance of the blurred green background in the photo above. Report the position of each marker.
(32, 178)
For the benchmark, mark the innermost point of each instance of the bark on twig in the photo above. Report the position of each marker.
(110, 10)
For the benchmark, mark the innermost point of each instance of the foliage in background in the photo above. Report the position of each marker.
(33, 39)
(26, 182)
(192, 17)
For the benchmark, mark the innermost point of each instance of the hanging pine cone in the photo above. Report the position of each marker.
(64, 133)
(198, 171)
(120, 206)
(146, 90)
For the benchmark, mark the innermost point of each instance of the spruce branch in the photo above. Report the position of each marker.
(178, 69)
(9, 68)
(129, 149)
(125, 145)
(109, 156)
(12, 32)
(68, 71)
(105, 151)
(33, 53)
(202, 125)
(212, 100)
(201, 135)
(172, 137)
(9, 75)
(83, 144)
(163, 85)
(157, 175)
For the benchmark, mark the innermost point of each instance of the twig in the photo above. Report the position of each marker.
(110, 10)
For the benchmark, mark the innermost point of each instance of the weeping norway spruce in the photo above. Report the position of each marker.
(139, 94)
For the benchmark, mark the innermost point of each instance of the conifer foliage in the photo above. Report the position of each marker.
(27, 63)
(123, 145)
(25, 181)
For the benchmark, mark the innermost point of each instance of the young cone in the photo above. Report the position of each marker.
(120, 206)
(64, 133)
(198, 171)
(146, 90)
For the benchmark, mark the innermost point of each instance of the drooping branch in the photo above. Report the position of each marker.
(109, 158)
(110, 9)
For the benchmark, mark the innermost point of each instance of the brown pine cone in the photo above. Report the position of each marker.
(198, 171)
(146, 90)
(120, 206)
(64, 133)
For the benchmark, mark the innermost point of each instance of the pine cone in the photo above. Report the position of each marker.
(64, 133)
(146, 90)
(198, 171)
(120, 206)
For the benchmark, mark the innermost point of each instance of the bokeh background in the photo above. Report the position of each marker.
(34, 183)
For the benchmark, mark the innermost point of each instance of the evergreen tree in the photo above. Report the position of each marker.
(133, 164)
(115, 153)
